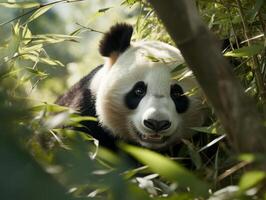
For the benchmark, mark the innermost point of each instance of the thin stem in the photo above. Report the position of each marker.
(90, 29)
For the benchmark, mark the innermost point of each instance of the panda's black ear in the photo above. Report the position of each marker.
(116, 40)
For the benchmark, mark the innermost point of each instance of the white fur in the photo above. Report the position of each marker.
(151, 62)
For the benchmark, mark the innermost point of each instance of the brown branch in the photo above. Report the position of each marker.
(236, 111)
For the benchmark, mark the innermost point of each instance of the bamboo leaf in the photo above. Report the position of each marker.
(36, 72)
(49, 108)
(168, 169)
(250, 179)
(245, 51)
(51, 38)
(39, 12)
(51, 61)
(33, 48)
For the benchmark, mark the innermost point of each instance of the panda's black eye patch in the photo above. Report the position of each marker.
(134, 96)
(180, 99)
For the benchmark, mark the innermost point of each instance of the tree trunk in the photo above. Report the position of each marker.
(236, 111)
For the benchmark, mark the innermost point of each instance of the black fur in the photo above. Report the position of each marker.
(181, 101)
(80, 98)
(116, 40)
(133, 97)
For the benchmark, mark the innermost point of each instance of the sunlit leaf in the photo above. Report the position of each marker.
(245, 51)
(79, 118)
(49, 108)
(26, 4)
(51, 38)
(168, 169)
(36, 72)
(15, 29)
(37, 47)
(248, 157)
(51, 61)
(26, 33)
(33, 56)
(39, 12)
(250, 179)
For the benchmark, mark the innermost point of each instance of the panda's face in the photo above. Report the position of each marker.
(156, 103)
(137, 99)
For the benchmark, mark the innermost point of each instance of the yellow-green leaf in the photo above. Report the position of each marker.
(23, 50)
(25, 5)
(51, 61)
(39, 12)
(36, 72)
(245, 51)
(250, 179)
(169, 169)
(49, 108)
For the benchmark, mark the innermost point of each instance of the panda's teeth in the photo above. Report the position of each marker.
(152, 137)
(155, 137)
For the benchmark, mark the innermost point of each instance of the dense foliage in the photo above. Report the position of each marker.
(39, 160)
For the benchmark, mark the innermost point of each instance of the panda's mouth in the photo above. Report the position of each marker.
(150, 137)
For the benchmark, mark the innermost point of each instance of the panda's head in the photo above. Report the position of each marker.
(136, 98)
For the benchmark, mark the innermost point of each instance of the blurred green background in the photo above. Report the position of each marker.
(47, 46)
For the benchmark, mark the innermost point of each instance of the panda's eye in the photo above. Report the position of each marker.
(176, 91)
(140, 89)
(135, 95)
(139, 92)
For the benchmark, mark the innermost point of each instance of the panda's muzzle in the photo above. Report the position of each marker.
(154, 137)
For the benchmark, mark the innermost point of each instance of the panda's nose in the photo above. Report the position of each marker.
(157, 125)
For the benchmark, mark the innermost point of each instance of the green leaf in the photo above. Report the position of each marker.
(36, 72)
(169, 169)
(205, 129)
(51, 61)
(15, 29)
(251, 179)
(245, 51)
(79, 118)
(10, 73)
(49, 108)
(33, 48)
(214, 128)
(39, 12)
(51, 38)
(25, 5)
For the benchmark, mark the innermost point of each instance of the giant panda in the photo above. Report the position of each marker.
(133, 95)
